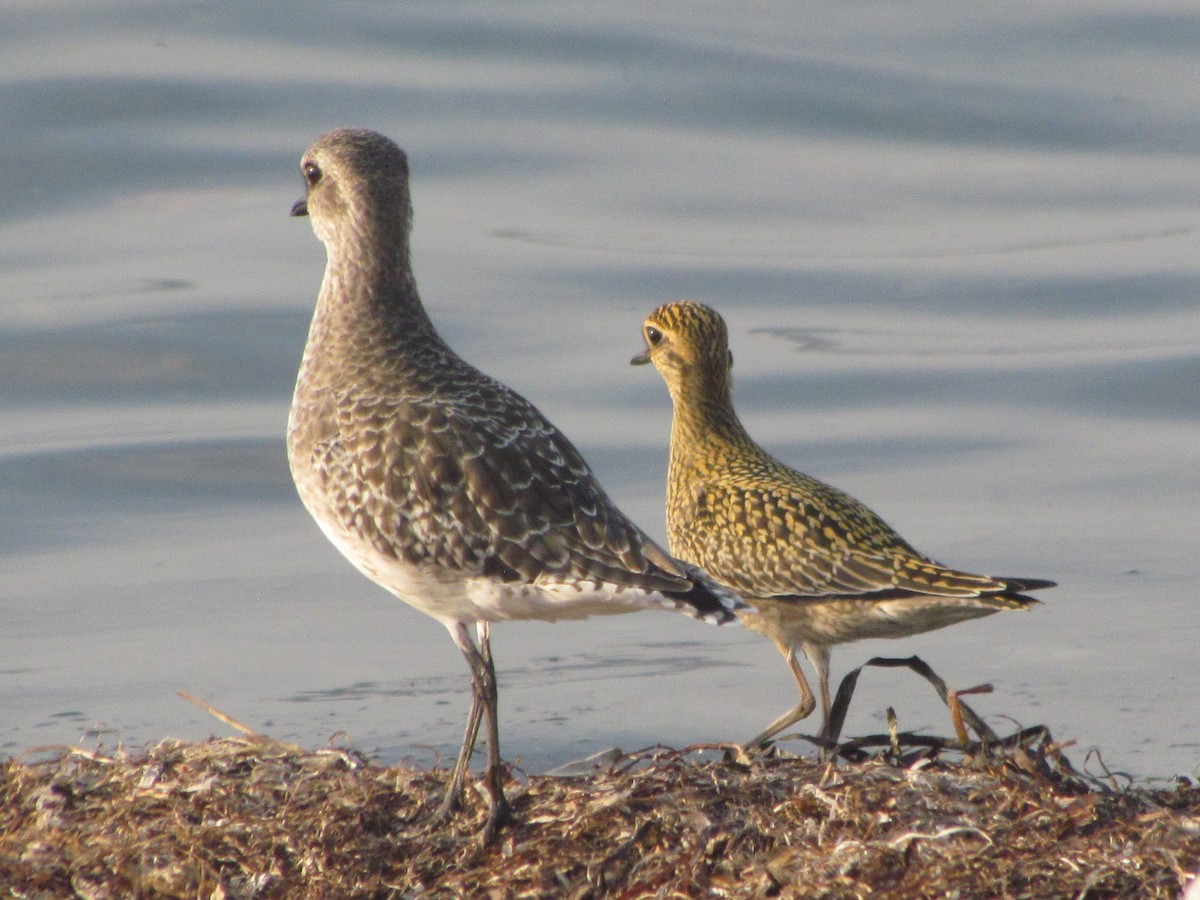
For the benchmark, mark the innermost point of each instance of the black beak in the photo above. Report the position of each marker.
(641, 359)
(300, 208)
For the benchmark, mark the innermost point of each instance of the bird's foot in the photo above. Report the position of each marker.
(499, 815)
(499, 810)
(450, 804)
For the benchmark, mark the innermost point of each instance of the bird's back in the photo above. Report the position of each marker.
(768, 530)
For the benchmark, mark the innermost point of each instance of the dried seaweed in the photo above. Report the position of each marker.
(250, 817)
(901, 814)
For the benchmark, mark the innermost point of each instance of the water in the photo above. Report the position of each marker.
(957, 248)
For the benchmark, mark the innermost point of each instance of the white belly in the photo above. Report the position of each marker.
(449, 597)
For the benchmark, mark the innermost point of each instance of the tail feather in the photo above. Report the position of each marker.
(1012, 598)
(1027, 584)
(711, 602)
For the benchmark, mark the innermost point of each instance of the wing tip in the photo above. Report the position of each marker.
(1015, 591)
(709, 601)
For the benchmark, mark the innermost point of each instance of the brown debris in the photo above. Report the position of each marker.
(251, 817)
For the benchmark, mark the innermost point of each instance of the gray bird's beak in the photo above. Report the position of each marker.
(641, 359)
(300, 207)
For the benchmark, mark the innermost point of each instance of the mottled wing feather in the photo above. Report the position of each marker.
(800, 537)
(580, 534)
(474, 492)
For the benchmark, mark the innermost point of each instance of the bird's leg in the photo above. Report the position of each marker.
(818, 655)
(458, 776)
(483, 704)
(801, 710)
(479, 668)
(500, 811)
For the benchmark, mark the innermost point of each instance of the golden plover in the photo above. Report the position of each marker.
(436, 481)
(818, 566)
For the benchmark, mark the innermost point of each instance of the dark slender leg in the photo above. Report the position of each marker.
(483, 704)
(500, 811)
(458, 776)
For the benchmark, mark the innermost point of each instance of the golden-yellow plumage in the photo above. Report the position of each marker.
(820, 567)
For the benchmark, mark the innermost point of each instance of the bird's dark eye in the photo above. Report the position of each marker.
(653, 336)
(312, 172)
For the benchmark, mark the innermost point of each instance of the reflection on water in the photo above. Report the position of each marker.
(959, 266)
(950, 344)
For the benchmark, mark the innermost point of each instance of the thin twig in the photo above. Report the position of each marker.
(217, 714)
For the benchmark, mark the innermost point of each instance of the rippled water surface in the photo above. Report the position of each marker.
(957, 248)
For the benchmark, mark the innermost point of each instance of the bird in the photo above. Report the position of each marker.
(817, 566)
(437, 482)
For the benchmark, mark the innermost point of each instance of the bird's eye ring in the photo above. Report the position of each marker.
(653, 336)
(312, 172)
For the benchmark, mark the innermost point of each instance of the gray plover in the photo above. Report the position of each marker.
(436, 481)
(818, 566)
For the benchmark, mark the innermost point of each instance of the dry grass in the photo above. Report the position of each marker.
(251, 817)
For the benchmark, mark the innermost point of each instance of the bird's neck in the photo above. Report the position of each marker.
(369, 317)
(705, 422)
